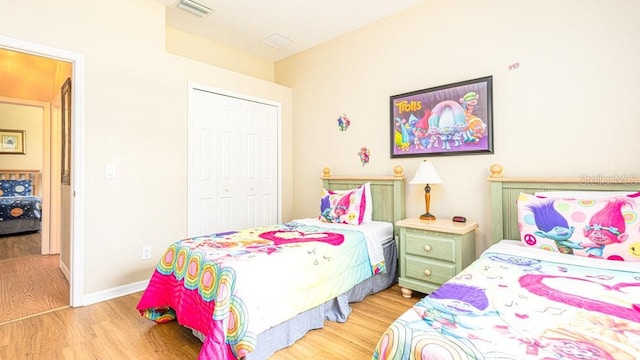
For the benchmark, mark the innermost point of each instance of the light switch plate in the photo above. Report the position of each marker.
(109, 171)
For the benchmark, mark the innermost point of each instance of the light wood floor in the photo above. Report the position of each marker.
(357, 338)
(114, 330)
(15, 246)
(31, 285)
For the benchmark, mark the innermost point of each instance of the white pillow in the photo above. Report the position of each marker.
(586, 195)
(368, 210)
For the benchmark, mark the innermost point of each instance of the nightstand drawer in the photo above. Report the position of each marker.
(432, 251)
(428, 270)
(434, 245)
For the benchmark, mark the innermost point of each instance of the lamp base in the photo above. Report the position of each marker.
(427, 216)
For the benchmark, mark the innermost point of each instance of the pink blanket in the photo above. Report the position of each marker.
(223, 284)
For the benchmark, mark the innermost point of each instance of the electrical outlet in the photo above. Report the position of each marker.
(146, 252)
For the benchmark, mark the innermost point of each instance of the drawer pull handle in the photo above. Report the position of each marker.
(427, 272)
(427, 248)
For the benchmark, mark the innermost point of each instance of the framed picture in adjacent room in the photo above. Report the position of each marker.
(12, 142)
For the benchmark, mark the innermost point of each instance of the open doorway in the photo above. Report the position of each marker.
(32, 235)
(69, 204)
(25, 215)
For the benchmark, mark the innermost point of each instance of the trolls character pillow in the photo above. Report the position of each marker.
(346, 206)
(607, 227)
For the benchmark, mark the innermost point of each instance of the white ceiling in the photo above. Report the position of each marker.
(244, 24)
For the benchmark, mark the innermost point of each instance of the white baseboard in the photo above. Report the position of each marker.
(65, 271)
(115, 292)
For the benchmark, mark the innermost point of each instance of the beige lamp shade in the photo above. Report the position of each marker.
(426, 174)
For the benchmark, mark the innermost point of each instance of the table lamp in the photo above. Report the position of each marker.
(426, 174)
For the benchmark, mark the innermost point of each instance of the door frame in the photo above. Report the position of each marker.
(77, 61)
(192, 88)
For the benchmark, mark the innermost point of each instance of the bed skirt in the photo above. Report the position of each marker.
(337, 309)
(19, 225)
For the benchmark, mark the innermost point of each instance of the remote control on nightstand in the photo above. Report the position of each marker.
(459, 219)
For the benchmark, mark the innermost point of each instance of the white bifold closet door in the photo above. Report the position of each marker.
(233, 163)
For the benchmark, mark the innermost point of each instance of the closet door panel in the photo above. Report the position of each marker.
(233, 163)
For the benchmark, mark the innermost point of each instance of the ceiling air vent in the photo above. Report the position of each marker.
(194, 7)
(277, 41)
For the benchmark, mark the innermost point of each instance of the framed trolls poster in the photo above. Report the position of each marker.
(453, 119)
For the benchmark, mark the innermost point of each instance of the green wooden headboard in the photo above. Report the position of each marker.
(387, 192)
(505, 191)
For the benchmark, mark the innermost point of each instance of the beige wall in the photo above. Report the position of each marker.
(198, 48)
(135, 105)
(568, 110)
(18, 116)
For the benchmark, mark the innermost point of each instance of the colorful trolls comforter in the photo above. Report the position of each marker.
(522, 303)
(232, 286)
(20, 207)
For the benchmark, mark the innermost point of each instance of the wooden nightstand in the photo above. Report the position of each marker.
(432, 252)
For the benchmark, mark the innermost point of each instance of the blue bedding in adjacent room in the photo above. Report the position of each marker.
(20, 207)
(19, 210)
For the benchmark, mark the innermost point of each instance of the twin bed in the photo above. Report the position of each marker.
(249, 293)
(552, 290)
(567, 286)
(20, 205)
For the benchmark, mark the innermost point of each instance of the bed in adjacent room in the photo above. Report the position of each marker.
(561, 281)
(20, 205)
(251, 292)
